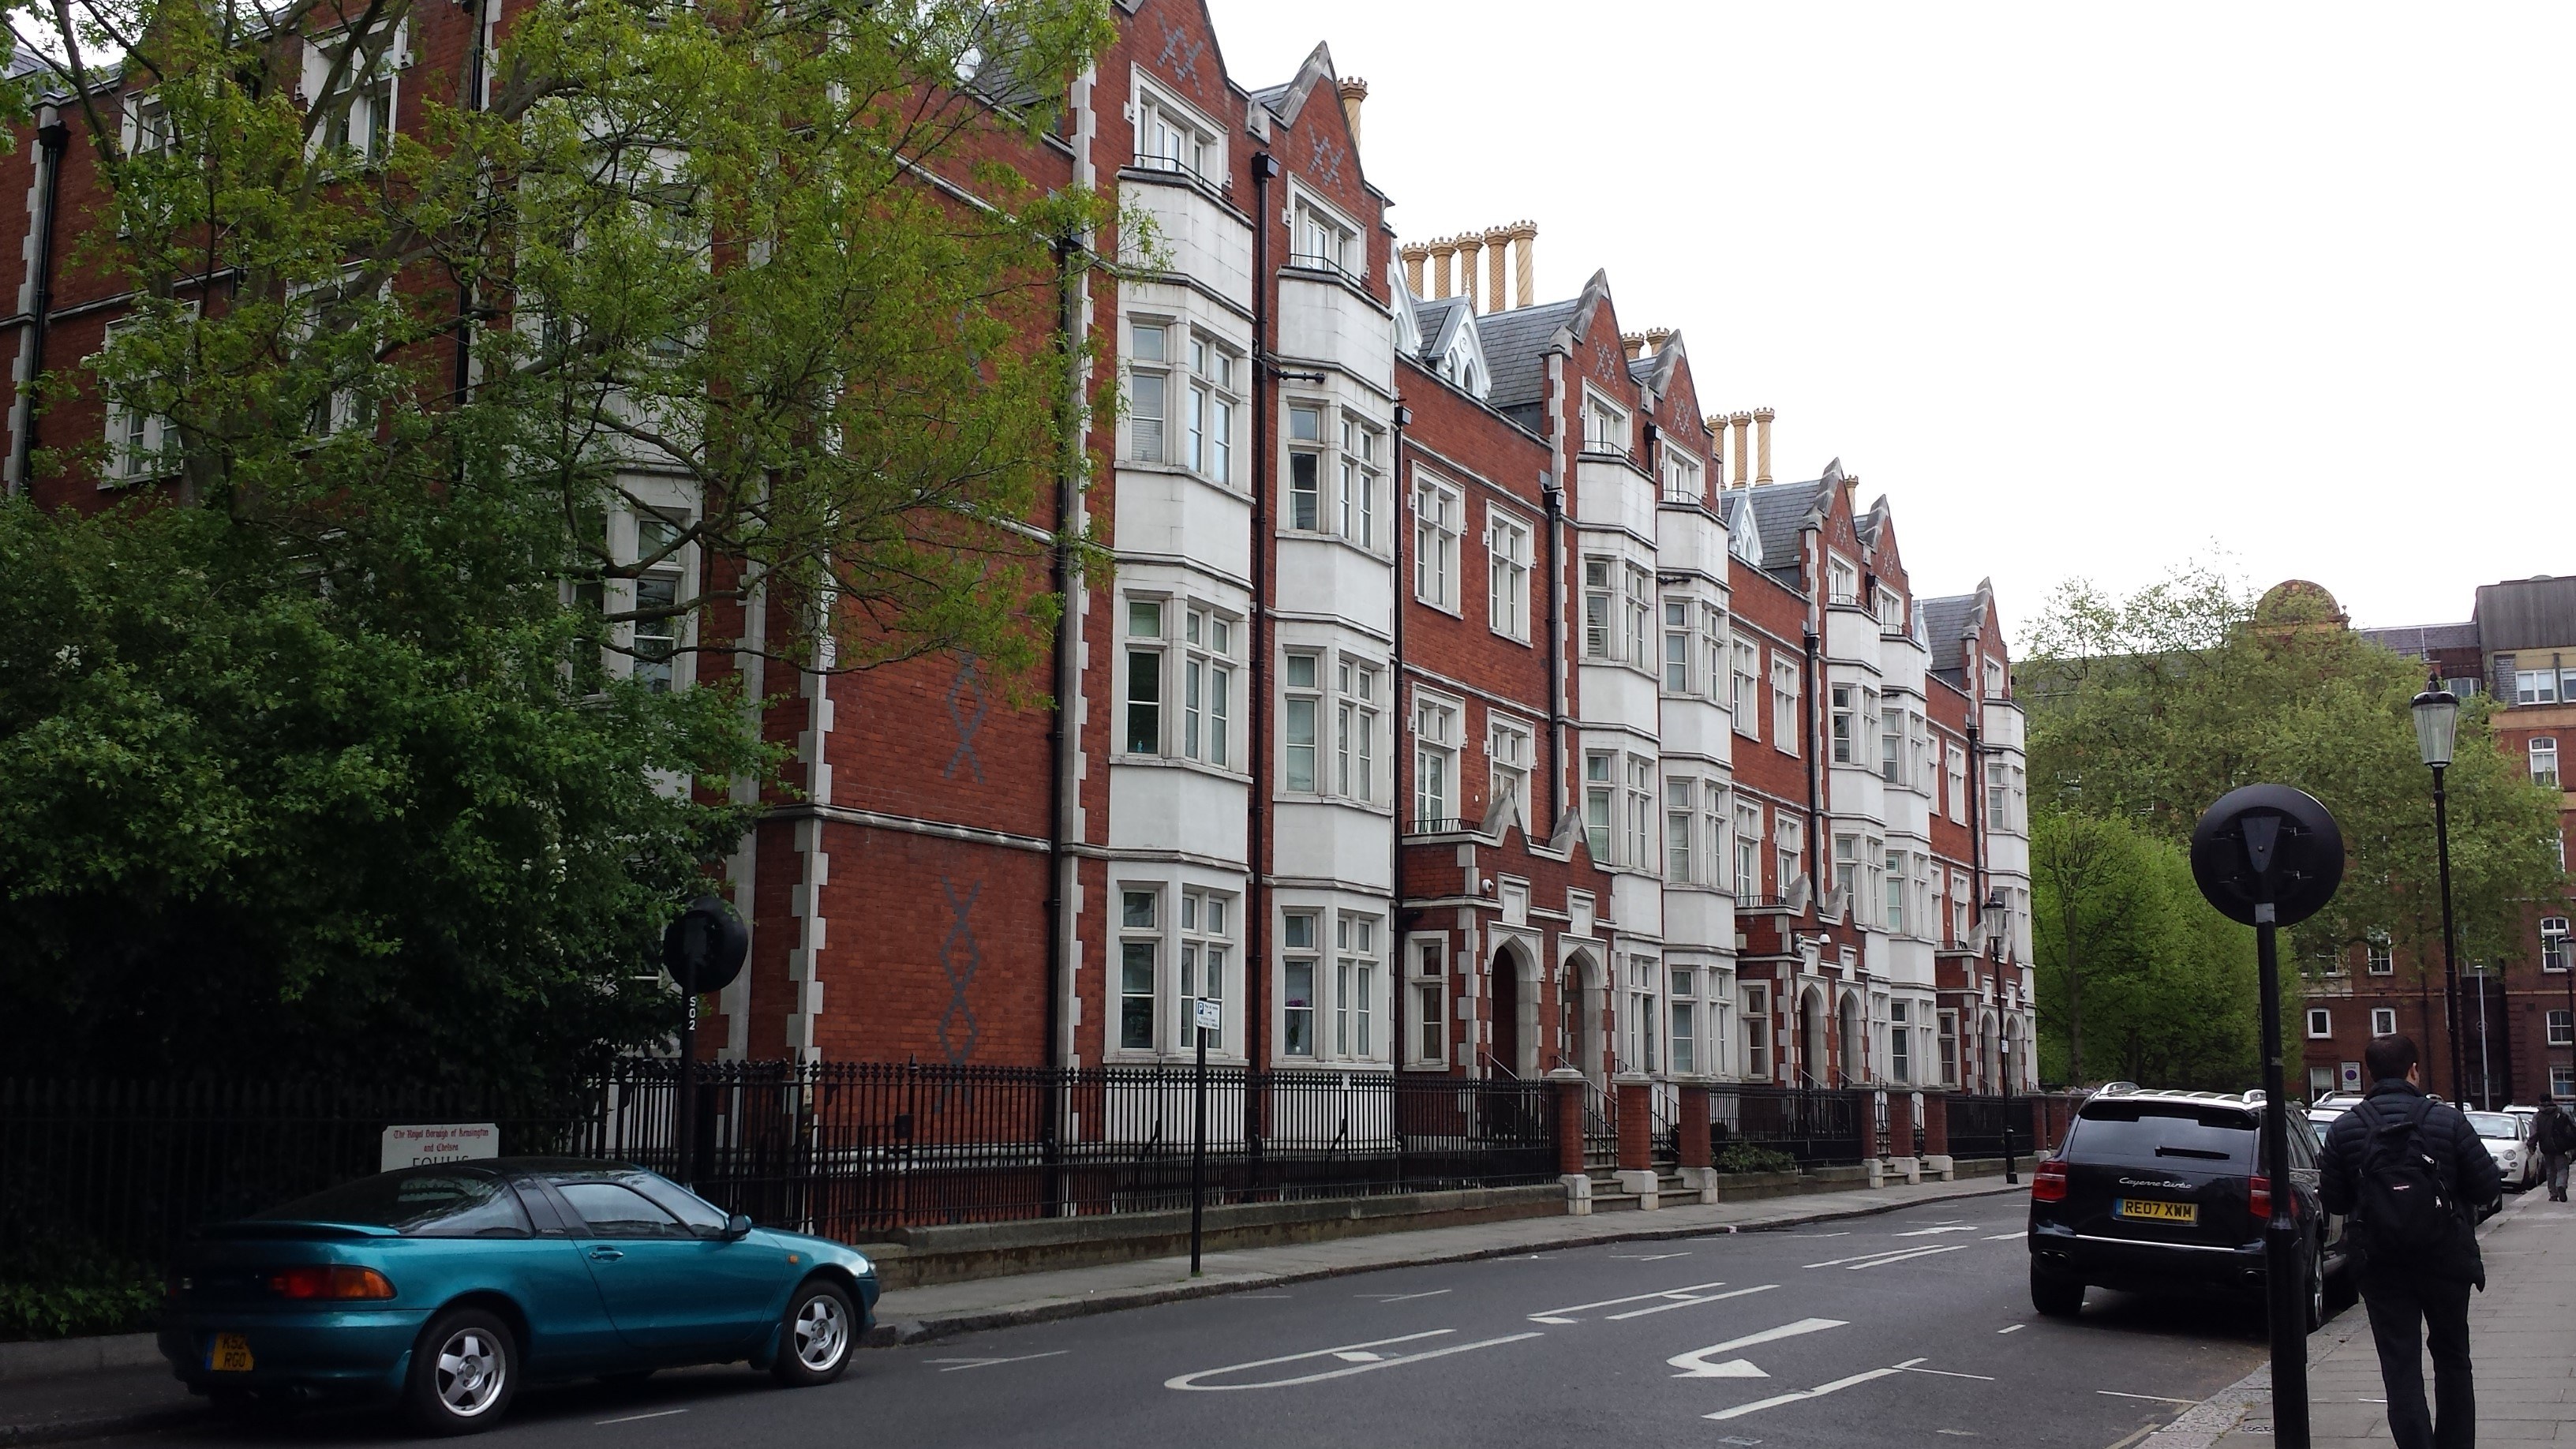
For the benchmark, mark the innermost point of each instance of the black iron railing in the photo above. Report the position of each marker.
(1977, 1125)
(846, 1149)
(1818, 1126)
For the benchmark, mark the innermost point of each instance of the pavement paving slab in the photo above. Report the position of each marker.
(2522, 1336)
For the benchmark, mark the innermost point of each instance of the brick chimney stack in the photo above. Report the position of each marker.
(1471, 244)
(1743, 461)
(1498, 239)
(1354, 90)
(1442, 249)
(1414, 254)
(1762, 447)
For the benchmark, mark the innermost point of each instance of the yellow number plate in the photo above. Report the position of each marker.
(2169, 1212)
(230, 1355)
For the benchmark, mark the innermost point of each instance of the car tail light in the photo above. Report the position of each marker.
(329, 1281)
(2048, 1182)
(2258, 1196)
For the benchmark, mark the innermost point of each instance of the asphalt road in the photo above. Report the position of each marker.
(1911, 1328)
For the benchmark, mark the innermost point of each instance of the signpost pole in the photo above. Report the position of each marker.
(1198, 1147)
(684, 1137)
(2285, 1269)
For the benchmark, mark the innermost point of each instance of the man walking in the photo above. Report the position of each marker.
(2409, 1171)
(2556, 1134)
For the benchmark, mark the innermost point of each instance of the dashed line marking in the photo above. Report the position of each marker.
(2016, 1328)
(2152, 1398)
(634, 1418)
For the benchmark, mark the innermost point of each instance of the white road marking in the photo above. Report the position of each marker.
(1818, 1392)
(2152, 1398)
(1902, 1257)
(1928, 1232)
(957, 1364)
(1648, 1257)
(1407, 1297)
(1909, 1367)
(1265, 1295)
(1345, 1354)
(2016, 1328)
(1688, 1303)
(1883, 1257)
(1697, 1365)
(631, 1418)
(2002, 1237)
(1843, 1234)
(1558, 1314)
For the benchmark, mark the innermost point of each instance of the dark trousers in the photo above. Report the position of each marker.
(2407, 1309)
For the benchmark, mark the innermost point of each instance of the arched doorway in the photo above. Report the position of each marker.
(1813, 1061)
(1852, 1063)
(1506, 997)
(2012, 1081)
(1578, 1019)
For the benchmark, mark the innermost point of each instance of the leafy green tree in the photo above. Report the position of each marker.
(2147, 709)
(347, 740)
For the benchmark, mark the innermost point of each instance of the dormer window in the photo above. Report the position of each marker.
(1681, 477)
(1842, 581)
(1605, 428)
(1321, 241)
(1169, 138)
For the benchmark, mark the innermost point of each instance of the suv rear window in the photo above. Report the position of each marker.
(2154, 1134)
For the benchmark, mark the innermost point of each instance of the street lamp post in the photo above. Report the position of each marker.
(2437, 723)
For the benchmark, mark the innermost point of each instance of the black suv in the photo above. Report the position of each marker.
(2158, 1191)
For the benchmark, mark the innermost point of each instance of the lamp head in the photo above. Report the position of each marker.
(2437, 723)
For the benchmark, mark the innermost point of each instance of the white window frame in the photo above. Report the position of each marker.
(2543, 754)
(1308, 450)
(1713, 652)
(1748, 850)
(1359, 703)
(1605, 425)
(1508, 744)
(1682, 477)
(1435, 761)
(2379, 957)
(1149, 389)
(1789, 847)
(1355, 977)
(2560, 1027)
(1600, 806)
(1682, 1036)
(1438, 509)
(366, 128)
(1302, 698)
(1761, 1059)
(1745, 701)
(1641, 813)
(1507, 575)
(1681, 830)
(1600, 582)
(1955, 771)
(2320, 1023)
(1146, 660)
(2383, 1021)
(1637, 610)
(1320, 238)
(1426, 988)
(1206, 959)
(137, 444)
(2535, 686)
(1359, 490)
(1214, 400)
(1674, 667)
(1309, 954)
(1207, 690)
(1784, 705)
(1140, 947)
(1842, 577)
(1172, 135)
(2556, 947)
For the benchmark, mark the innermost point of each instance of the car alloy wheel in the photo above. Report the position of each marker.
(463, 1374)
(817, 1333)
(2316, 1288)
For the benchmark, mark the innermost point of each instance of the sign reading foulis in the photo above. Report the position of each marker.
(433, 1142)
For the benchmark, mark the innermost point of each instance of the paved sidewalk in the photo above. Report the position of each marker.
(2522, 1333)
(88, 1405)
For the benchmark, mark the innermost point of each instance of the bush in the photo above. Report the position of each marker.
(1745, 1157)
(84, 1295)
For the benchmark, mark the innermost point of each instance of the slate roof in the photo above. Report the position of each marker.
(1779, 512)
(1945, 623)
(2418, 641)
(2535, 613)
(1439, 319)
(1515, 344)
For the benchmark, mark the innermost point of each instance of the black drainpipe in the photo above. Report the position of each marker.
(50, 138)
(1396, 762)
(1068, 680)
(464, 292)
(1555, 498)
(1256, 915)
(1815, 790)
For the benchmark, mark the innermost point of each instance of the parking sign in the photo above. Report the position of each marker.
(1209, 1014)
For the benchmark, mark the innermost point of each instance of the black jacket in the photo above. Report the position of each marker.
(2557, 1134)
(2459, 1158)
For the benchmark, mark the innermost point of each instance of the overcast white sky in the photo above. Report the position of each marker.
(2084, 289)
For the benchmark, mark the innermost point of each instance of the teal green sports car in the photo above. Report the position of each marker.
(448, 1287)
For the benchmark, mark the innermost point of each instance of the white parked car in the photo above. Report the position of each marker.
(2508, 1141)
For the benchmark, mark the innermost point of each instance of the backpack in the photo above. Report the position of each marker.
(2401, 1200)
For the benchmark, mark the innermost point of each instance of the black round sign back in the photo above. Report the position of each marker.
(2267, 845)
(703, 947)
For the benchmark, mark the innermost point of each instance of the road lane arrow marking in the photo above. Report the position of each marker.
(1698, 1363)
(1885, 1255)
(1689, 1302)
(1351, 1355)
(1818, 1392)
(956, 1364)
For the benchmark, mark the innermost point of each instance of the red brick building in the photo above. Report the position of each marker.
(1454, 705)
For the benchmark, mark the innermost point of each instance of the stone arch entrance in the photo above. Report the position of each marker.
(2011, 1078)
(1851, 1064)
(1514, 1005)
(1813, 1060)
(1578, 993)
